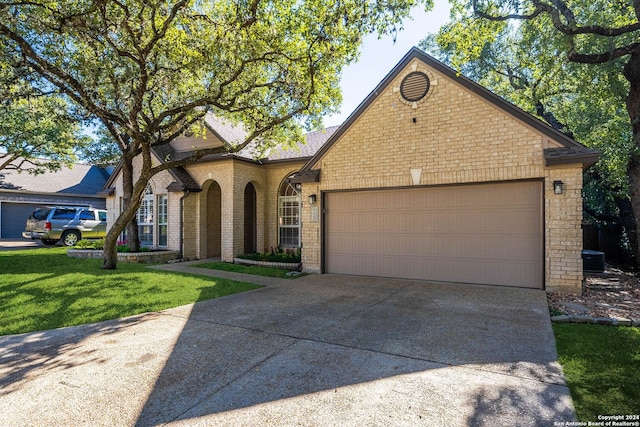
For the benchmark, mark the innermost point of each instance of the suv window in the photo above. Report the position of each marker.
(40, 214)
(64, 213)
(102, 215)
(85, 214)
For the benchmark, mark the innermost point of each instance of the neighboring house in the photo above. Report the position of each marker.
(22, 192)
(432, 177)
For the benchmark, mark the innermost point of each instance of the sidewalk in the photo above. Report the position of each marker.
(188, 267)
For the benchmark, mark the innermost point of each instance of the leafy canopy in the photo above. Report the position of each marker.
(148, 70)
(36, 132)
(525, 61)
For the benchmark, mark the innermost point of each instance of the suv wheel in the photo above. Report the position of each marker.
(70, 237)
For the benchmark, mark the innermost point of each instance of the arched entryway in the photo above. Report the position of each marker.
(214, 220)
(250, 219)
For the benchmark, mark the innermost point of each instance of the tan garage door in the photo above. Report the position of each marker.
(485, 234)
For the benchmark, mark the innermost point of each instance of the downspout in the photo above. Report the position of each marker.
(186, 194)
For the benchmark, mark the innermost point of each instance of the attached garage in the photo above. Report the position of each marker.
(484, 233)
(13, 216)
(435, 178)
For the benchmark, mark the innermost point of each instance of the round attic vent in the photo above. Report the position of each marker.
(414, 86)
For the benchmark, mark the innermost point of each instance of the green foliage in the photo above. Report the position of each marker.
(44, 289)
(148, 71)
(277, 254)
(37, 134)
(249, 269)
(98, 244)
(602, 367)
(525, 62)
(90, 244)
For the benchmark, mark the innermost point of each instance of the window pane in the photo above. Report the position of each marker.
(145, 233)
(289, 237)
(87, 215)
(289, 220)
(162, 220)
(162, 235)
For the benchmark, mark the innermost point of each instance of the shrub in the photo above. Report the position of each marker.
(98, 244)
(90, 244)
(277, 254)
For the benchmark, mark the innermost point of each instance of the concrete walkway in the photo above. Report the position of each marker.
(189, 267)
(319, 350)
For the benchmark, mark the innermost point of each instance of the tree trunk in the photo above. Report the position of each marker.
(126, 217)
(632, 74)
(133, 240)
(110, 256)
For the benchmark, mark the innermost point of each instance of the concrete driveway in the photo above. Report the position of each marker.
(14, 244)
(319, 350)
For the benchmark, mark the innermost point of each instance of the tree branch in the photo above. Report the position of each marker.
(555, 12)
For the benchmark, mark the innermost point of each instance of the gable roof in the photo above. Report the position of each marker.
(80, 179)
(571, 152)
(313, 142)
(230, 134)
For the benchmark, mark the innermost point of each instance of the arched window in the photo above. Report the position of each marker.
(288, 215)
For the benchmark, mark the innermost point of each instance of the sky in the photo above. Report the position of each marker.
(379, 56)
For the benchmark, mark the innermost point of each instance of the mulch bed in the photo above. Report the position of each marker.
(614, 294)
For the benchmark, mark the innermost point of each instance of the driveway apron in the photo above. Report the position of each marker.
(318, 350)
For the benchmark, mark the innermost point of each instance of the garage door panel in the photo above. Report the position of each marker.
(490, 234)
(14, 216)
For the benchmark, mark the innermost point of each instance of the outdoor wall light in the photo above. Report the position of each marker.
(312, 199)
(557, 187)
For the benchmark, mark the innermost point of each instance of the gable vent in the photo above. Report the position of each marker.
(414, 86)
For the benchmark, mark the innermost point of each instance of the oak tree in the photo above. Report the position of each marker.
(149, 70)
(575, 63)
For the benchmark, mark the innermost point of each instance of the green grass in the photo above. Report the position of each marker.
(248, 269)
(44, 289)
(602, 367)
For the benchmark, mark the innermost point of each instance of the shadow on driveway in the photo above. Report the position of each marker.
(345, 350)
(319, 350)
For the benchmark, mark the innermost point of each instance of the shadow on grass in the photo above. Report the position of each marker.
(43, 289)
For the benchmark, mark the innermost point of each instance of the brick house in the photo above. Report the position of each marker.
(432, 177)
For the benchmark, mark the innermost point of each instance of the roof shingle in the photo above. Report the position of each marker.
(79, 179)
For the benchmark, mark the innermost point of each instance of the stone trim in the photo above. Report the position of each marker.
(134, 257)
(285, 265)
(613, 321)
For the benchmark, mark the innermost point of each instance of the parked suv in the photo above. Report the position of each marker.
(66, 224)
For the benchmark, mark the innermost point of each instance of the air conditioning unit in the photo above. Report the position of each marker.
(593, 261)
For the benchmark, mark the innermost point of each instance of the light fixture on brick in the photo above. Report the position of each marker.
(557, 187)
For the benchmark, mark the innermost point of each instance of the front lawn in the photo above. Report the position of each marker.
(602, 367)
(248, 269)
(44, 289)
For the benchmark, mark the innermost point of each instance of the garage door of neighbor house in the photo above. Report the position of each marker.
(485, 234)
(13, 216)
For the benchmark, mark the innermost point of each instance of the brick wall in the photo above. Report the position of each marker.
(276, 174)
(214, 218)
(158, 183)
(563, 232)
(456, 137)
